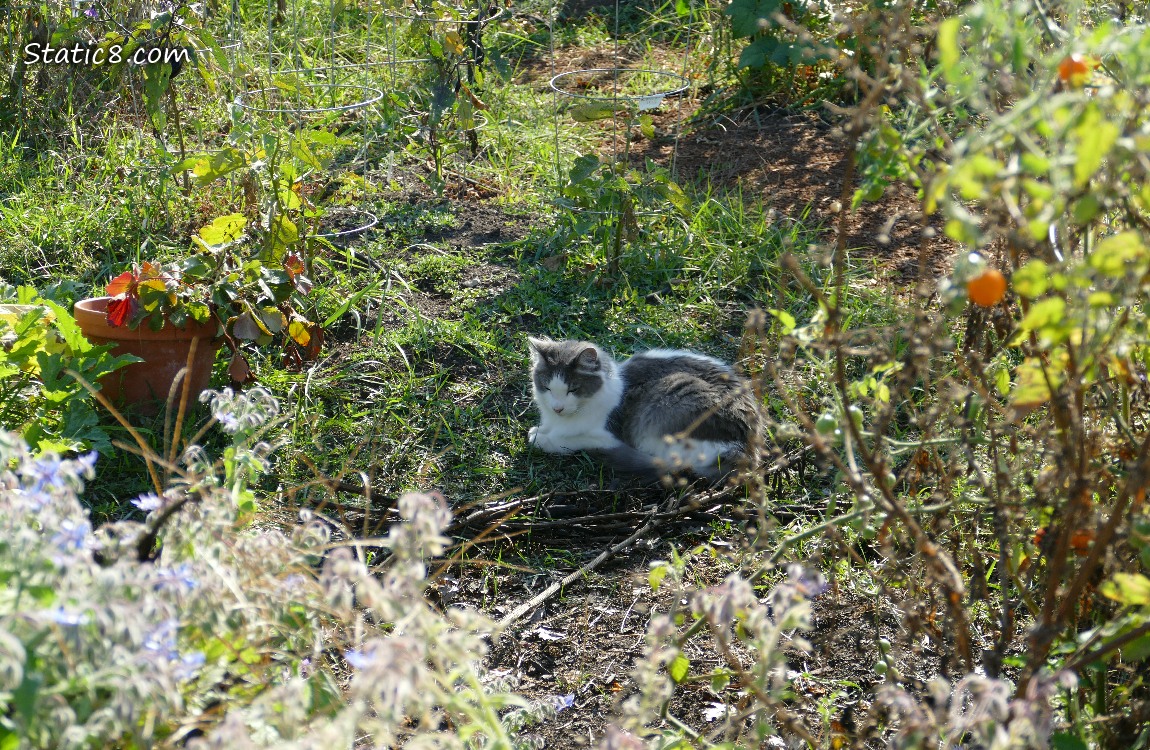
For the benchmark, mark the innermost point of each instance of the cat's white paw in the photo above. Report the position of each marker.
(543, 441)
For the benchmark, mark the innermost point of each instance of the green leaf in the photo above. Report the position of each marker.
(1043, 314)
(1031, 280)
(156, 78)
(282, 235)
(592, 111)
(25, 697)
(199, 311)
(9, 740)
(195, 266)
(1112, 253)
(749, 17)
(963, 228)
(1137, 650)
(1002, 381)
(1131, 589)
(785, 319)
(948, 52)
(270, 319)
(646, 126)
(768, 49)
(288, 198)
(68, 329)
(1085, 209)
(1064, 741)
(656, 576)
(1035, 164)
(223, 230)
(1031, 388)
(210, 167)
(1095, 138)
(674, 195)
(584, 167)
(679, 668)
(301, 151)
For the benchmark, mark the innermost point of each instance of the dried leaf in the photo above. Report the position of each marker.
(554, 262)
(239, 370)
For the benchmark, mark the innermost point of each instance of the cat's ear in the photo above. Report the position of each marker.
(536, 347)
(589, 359)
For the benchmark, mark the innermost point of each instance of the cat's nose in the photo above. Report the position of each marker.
(558, 409)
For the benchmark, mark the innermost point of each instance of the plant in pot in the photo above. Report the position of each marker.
(181, 313)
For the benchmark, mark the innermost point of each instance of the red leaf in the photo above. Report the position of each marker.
(314, 344)
(123, 284)
(121, 310)
(294, 265)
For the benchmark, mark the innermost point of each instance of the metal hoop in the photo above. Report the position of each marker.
(497, 15)
(650, 100)
(373, 95)
(372, 220)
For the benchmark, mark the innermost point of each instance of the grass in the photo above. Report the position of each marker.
(423, 383)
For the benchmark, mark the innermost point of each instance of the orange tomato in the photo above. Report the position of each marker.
(1081, 540)
(1075, 69)
(988, 288)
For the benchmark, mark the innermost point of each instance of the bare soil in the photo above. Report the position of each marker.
(794, 163)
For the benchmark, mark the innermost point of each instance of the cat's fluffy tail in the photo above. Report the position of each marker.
(626, 459)
(716, 467)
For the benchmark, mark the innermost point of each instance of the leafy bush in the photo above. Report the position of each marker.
(47, 90)
(41, 352)
(995, 451)
(987, 452)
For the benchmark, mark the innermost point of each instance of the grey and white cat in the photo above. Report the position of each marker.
(660, 412)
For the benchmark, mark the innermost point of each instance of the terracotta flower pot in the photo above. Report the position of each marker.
(144, 386)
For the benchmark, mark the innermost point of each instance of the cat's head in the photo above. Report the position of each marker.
(565, 374)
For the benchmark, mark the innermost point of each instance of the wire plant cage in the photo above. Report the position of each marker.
(307, 97)
(435, 56)
(606, 191)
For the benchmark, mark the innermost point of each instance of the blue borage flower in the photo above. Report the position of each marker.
(50, 472)
(807, 581)
(73, 536)
(162, 640)
(44, 473)
(62, 616)
(357, 659)
(189, 664)
(241, 412)
(148, 502)
(563, 702)
(179, 578)
(161, 644)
